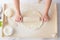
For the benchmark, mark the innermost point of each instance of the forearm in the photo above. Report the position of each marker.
(17, 6)
(47, 6)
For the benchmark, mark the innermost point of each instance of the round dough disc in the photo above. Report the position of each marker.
(31, 19)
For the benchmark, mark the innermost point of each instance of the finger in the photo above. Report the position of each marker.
(40, 18)
(21, 20)
(45, 19)
(17, 20)
(49, 18)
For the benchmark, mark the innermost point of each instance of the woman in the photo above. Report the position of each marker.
(45, 16)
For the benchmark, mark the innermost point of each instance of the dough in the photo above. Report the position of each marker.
(31, 19)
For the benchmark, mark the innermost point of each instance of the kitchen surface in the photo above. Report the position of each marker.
(18, 38)
(30, 27)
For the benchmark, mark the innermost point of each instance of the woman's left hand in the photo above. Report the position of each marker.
(45, 17)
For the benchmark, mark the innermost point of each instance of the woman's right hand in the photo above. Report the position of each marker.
(18, 17)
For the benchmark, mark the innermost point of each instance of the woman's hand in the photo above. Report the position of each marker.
(18, 18)
(45, 18)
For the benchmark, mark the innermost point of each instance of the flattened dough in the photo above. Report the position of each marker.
(31, 19)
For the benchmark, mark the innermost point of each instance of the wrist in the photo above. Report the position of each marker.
(45, 13)
(18, 12)
(46, 10)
